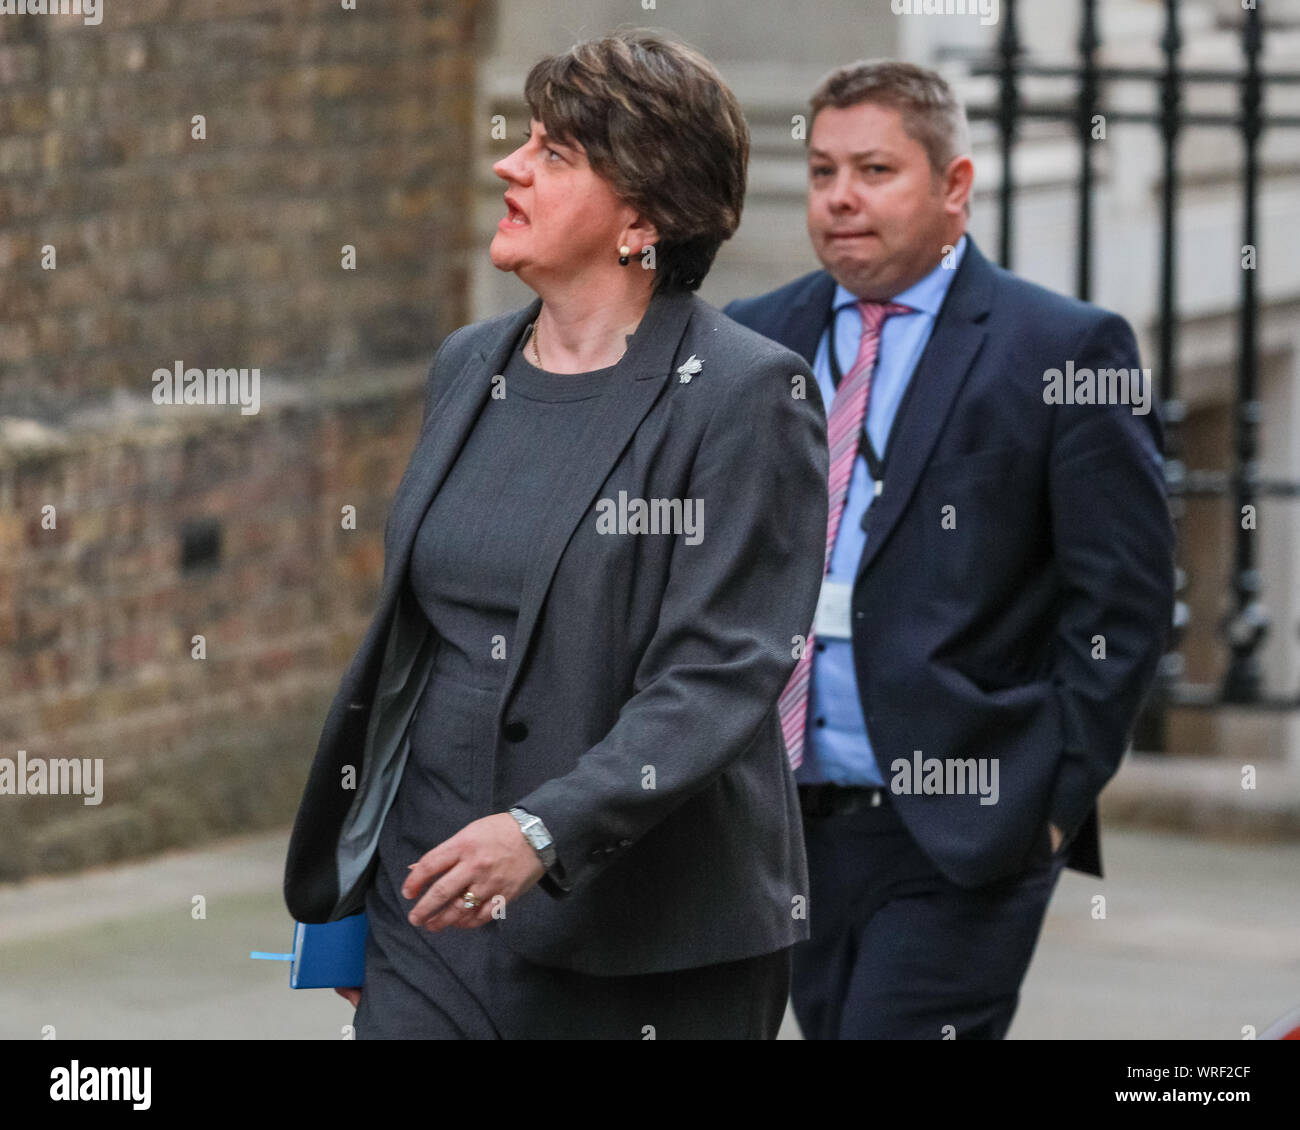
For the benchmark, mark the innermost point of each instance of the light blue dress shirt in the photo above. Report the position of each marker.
(837, 747)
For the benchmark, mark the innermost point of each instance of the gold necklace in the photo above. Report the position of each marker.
(536, 338)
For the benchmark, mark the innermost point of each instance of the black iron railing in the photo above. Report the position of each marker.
(1248, 625)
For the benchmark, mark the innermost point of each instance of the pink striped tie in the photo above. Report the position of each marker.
(843, 428)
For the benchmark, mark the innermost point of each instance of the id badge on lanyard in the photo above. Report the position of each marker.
(833, 619)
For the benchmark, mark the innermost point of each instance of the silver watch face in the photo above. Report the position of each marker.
(528, 825)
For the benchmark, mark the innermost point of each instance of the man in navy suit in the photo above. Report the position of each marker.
(999, 582)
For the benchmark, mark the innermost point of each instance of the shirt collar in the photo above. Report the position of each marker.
(925, 295)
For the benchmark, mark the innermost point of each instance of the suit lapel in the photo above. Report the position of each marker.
(440, 442)
(634, 386)
(800, 325)
(954, 344)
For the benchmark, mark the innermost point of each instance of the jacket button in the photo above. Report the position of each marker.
(624, 843)
(515, 731)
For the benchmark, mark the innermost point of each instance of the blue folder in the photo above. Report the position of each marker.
(326, 955)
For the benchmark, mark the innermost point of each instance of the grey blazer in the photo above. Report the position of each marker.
(638, 713)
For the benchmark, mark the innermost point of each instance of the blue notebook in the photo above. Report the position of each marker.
(326, 955)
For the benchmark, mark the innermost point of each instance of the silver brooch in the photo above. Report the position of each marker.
(689, 368)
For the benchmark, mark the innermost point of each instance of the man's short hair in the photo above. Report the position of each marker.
(931, 113)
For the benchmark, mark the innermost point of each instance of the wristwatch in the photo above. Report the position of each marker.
(536, 834)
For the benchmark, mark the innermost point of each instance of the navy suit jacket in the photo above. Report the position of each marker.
(1016, 588)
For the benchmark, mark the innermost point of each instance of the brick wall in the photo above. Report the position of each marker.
(325, 127)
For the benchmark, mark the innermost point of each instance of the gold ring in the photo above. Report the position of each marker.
(470, 901)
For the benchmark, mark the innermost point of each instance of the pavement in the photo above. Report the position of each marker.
(1199, 939)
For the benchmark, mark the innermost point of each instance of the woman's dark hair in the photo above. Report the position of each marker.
(659, 124)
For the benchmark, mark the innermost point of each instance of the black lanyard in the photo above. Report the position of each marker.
(875, 465)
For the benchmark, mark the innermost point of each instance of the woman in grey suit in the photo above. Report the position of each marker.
(599, 570)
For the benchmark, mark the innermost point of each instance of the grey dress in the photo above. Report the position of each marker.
(467, 573)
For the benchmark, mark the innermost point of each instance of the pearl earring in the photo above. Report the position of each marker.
(623, 253)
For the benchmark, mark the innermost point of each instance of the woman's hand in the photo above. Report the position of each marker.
(352, 996)
(489, 857)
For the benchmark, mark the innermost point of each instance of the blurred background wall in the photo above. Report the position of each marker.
(133, 236)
